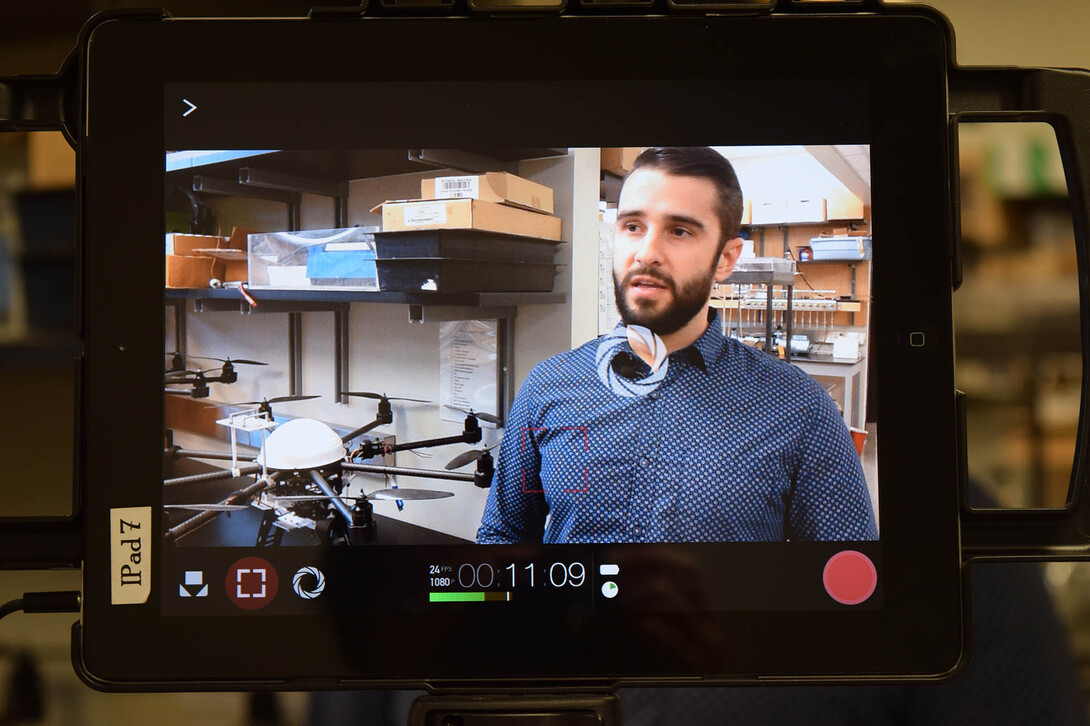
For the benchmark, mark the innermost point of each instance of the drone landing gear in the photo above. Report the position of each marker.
(268, 534)
(491, 709)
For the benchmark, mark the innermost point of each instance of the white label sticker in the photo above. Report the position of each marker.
(348, 247)
(457, 187)
(130, 555)
(418, 215)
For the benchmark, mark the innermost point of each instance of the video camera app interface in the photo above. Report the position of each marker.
(499, 375)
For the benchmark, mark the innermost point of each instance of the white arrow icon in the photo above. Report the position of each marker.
(192, 108)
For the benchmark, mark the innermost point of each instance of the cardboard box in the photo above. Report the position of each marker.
(234, 266)
(232, 254)
(494, 186)
(191, 271)
(188, 244)
(619, 160)
(421, 214)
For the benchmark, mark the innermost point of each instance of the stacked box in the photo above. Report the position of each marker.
(466, 213)
(187, 266)
(489, 232)
(496, 186)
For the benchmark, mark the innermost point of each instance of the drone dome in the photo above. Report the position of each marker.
(301, 443)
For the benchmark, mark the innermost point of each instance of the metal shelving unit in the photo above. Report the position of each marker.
(284, 176)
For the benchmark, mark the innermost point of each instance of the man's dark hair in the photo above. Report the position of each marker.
(705, 163)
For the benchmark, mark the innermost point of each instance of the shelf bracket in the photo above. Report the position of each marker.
(179, 324)
(295, 353)
(448, 313)
(294, 184)
(463, 160)
(250, 177)
(223, 187)
(340, 349)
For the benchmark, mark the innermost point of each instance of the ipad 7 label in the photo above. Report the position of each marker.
(130, 555)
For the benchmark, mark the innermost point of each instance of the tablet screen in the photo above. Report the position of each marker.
(597, 447)
(519, 359)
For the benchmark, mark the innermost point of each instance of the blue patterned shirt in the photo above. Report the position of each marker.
(721, 443)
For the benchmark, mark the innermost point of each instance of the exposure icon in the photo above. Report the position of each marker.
(308, 582)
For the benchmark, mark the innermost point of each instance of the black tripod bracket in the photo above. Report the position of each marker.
(502, 709)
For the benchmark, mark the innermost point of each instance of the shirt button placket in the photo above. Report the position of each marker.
(643, 483)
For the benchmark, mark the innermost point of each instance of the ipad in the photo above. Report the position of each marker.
(395, 405)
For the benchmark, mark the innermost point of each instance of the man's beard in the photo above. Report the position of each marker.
(685, 302)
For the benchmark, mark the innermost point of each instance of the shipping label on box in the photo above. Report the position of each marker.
(454, 187)
(494, 186)
(424, 214)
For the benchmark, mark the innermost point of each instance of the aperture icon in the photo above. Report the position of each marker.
(308, 582)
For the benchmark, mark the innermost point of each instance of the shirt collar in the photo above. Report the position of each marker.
(703, 351)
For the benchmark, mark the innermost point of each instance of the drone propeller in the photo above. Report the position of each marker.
(278, 399)
(490, 418)
(177, 362)
(399, 494)
(382, 494)
(209, 507)
(467, 456)
(381, 396)
(232, 361)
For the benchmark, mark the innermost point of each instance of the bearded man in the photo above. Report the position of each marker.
(664, 430)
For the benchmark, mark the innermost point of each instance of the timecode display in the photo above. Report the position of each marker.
(484, 575)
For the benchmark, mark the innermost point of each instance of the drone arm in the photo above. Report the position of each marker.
(466, 437)
(191, 454)
(210, 476)
(238, 497)
(362, 430)
(338, 503)
(393, 470)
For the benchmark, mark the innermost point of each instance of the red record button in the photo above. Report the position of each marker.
(850, 577)
(251, 583)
